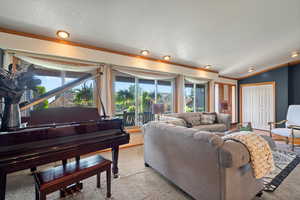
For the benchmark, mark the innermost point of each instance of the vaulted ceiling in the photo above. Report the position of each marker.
(231, 35)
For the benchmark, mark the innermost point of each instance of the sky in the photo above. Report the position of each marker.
(50, 83)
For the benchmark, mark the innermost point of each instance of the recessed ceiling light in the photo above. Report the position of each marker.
(145, 52)
(251, 69)
(63, 34)
(207, 66)
(295, 54)
(167, 57)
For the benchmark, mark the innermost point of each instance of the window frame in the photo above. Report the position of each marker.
(136, 85)
(63, 76)
(206, 93)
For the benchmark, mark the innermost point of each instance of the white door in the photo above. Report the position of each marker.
(258, 105)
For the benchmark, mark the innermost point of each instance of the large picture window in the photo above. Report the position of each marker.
(195, 97)
(134, 98)
(80, 95)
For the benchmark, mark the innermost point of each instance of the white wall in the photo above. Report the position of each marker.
(32, 45)
(16, 42)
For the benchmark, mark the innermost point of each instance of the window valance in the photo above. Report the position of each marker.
(144, 74)
(56, 63)
(197, 81)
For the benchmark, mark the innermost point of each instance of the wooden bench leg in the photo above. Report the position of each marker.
(37, 195)
(99, 180)
(108, 182)
(2, 185)
(42, 196)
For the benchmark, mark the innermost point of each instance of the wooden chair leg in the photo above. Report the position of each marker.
(108, 182)
(293, 140)
(287, 140)
(99, 180)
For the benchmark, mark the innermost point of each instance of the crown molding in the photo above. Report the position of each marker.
(295, 62)
(227, 77)
(87, 46)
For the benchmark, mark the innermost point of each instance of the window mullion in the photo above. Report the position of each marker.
(63, 77)
(194, 95)
(155, 96)
(136, 99)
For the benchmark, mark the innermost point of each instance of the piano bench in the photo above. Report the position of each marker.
(59, 178)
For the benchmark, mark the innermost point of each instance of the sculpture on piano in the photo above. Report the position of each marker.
(12, 87)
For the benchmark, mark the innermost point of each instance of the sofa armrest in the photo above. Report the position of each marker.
(234, 154)
(224, 119)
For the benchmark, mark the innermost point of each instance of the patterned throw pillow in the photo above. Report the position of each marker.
(191, 119)
(208, 118)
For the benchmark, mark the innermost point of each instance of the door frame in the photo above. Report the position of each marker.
(273, 83)
(236, 99)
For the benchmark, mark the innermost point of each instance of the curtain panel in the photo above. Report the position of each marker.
(56, 64)
(179, 93)
(105, 90)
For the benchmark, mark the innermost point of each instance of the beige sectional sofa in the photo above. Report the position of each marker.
(221, 124)
(199, 162)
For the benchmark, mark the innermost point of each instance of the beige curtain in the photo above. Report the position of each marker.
(56, 64)
(104, 90)
(145, 74)
(194, 80)
(180, 93)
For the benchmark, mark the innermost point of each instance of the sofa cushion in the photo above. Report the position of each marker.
(191, 118)
(211, 127)
(208, 118)
(173, 120)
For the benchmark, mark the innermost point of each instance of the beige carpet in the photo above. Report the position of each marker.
(136, 183)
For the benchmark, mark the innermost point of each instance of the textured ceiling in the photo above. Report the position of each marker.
(231, 35)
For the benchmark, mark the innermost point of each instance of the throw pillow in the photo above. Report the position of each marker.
(191, 118)
(208, 118)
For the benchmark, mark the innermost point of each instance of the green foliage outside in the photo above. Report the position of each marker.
(125, 100)
(84, 95)
(39, 91)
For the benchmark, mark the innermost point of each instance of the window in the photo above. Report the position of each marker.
(165, 94)
(195, 97)
(124, 97)
(134, 98)
(80, 95)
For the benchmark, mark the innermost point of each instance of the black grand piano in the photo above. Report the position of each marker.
(56, 134)
(82, 132)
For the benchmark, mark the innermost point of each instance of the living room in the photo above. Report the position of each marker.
(172, 99)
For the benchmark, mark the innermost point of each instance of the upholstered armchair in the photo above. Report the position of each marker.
(292, 125)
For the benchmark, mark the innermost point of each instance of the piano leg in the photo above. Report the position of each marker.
(2, 185)
(115, 157)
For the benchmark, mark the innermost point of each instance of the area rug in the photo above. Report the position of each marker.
(285, 163)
